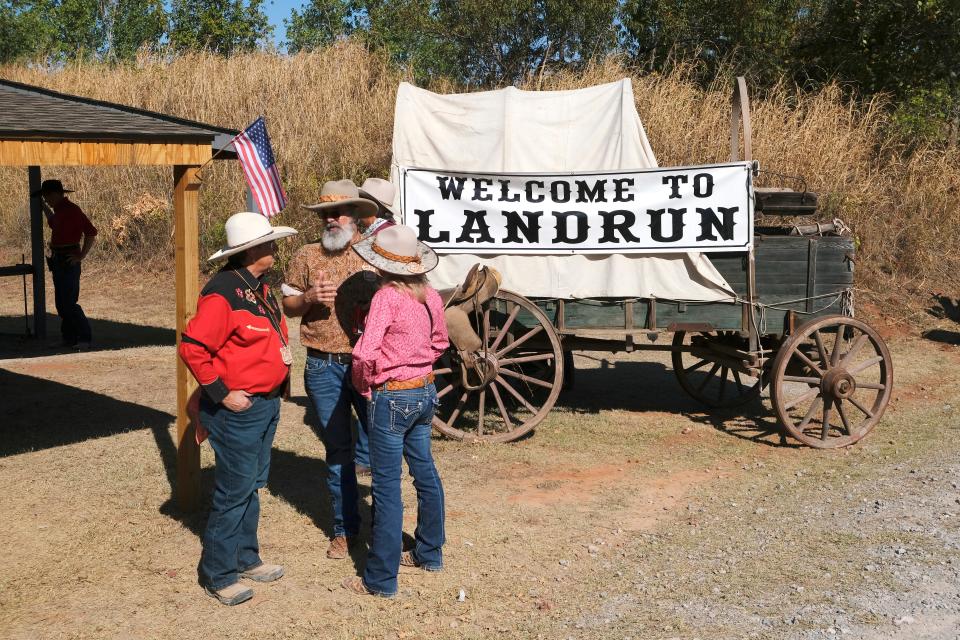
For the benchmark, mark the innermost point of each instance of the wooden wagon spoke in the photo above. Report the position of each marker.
(854, 348)
(506, 325)
(802, 398)
(503, 410)
(871, 385)
(843, 417)
(534, 358)
(696, 366)
(820, 346)
(481, 406)
(442, 372)
(825, 432)
(723, 383)
(709, 377)
(516, 394)
(810, 363)
(808, 380)
(460, 405)
(837, 347)
(447, 389)
(866, 364)
(812, 411)
(526, 378)
(516, 343)
(862, 408)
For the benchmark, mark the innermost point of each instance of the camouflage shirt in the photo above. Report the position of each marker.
(335, 329)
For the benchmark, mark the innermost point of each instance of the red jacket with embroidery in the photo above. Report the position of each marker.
(231, 342)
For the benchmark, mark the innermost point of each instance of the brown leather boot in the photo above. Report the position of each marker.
(231, 595)
(339, 548)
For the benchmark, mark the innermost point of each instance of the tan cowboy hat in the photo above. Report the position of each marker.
(396, 250)
(343, 196)
(382, 192)
(247, 229)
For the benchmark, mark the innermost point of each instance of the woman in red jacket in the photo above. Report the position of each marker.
(237, 348)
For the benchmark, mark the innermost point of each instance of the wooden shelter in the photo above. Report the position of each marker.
(42, 128)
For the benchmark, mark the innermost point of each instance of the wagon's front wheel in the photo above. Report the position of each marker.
(831, 382)
(710, 375)
(513, 381)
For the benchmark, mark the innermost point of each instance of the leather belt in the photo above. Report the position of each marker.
(404, 385)
(339, 358)
(276, 393)
(65, 248)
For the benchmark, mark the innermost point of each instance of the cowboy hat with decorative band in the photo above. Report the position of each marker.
(396, 250)
(343, 197)
(247, 229)
(50, 186)
(382, 192)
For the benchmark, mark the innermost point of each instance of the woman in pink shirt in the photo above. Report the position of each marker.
(392, 366)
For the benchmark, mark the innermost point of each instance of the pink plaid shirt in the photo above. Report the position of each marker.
(397, 342)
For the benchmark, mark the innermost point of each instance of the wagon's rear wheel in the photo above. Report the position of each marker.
(515, 382)
(710, 376)
(831, 382)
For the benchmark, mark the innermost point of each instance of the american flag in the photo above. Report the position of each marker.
(260, 167)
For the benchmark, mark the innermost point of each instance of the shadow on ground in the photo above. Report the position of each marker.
(652, 387)
(40, 414)
(107, 334)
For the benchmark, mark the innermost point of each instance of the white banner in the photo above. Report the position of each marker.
(699, 208)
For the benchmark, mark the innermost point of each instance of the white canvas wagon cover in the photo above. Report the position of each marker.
(509, 130)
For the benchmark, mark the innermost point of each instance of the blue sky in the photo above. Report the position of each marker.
(277, 11)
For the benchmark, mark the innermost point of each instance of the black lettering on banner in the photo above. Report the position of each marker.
(515, 226)
(480, 189)
(529, 190)
(423, 227)
(656, 224)
(709, 221)
(505, 192)
(451, 186)
(586, 194)
(562, 228)
(674, 182)
(555, 191)
(610, 225)
(703, 191)
(620, 185)
(475, 224)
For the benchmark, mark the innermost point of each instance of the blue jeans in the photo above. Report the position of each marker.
(74, 326)
(330, 390)
(241, 442)
(400, 428)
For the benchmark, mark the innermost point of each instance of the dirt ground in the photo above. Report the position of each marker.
(630, 512)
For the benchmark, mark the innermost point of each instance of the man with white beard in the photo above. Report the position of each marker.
(330, 287)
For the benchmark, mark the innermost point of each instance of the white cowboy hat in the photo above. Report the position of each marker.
(396, 250)
(247, 229)
(343, 195)
(380, 191)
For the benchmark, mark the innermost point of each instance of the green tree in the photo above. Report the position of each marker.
(133, 25)
(222, 26)
(318, 24)
(23, 32)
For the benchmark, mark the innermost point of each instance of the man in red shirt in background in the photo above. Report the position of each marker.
(72, 238)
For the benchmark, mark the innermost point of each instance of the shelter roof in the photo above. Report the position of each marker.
(33, 113)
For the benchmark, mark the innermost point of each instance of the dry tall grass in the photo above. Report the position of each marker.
(330, 115)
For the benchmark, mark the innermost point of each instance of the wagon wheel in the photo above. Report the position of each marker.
(712, 382)
(513, 387)
(831, 382)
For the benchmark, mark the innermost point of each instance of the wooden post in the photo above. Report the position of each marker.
(37, 257)
(186, 203)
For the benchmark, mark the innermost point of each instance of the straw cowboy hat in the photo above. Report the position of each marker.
(343, 196)
(396, 250)
(247, 229)
(382, 192)
(50, 186)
